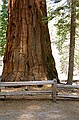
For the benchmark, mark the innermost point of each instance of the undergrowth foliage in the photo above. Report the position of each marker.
(3, 25)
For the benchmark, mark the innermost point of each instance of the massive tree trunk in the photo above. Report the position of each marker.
(28, 54)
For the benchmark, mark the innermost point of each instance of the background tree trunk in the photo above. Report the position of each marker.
(72, 42)
(28, 54)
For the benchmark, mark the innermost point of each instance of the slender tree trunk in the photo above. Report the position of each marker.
(28, 54)
(72, 42)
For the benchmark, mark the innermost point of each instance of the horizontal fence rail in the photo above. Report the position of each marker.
(67, 86)
(68, 96)
(25, 83)
(25, 93)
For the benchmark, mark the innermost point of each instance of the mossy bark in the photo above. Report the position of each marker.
(28, 54)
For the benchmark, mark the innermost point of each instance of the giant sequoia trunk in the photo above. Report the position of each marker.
(28, 54)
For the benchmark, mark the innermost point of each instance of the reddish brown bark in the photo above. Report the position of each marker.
(28, 53)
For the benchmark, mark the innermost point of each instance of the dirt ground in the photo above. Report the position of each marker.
(38, 108)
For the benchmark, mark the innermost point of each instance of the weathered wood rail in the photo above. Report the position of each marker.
(28, 83)
(60, 86)
(67, 86)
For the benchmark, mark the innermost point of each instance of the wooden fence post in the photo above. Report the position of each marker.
(54, 90)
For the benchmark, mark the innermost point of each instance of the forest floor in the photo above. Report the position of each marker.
(39, 107)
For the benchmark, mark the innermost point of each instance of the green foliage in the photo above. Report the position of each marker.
(62, 16)
(3, 25)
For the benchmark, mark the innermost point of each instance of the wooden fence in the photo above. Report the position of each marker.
(60, 86)
(53, 92)
(28, 83)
